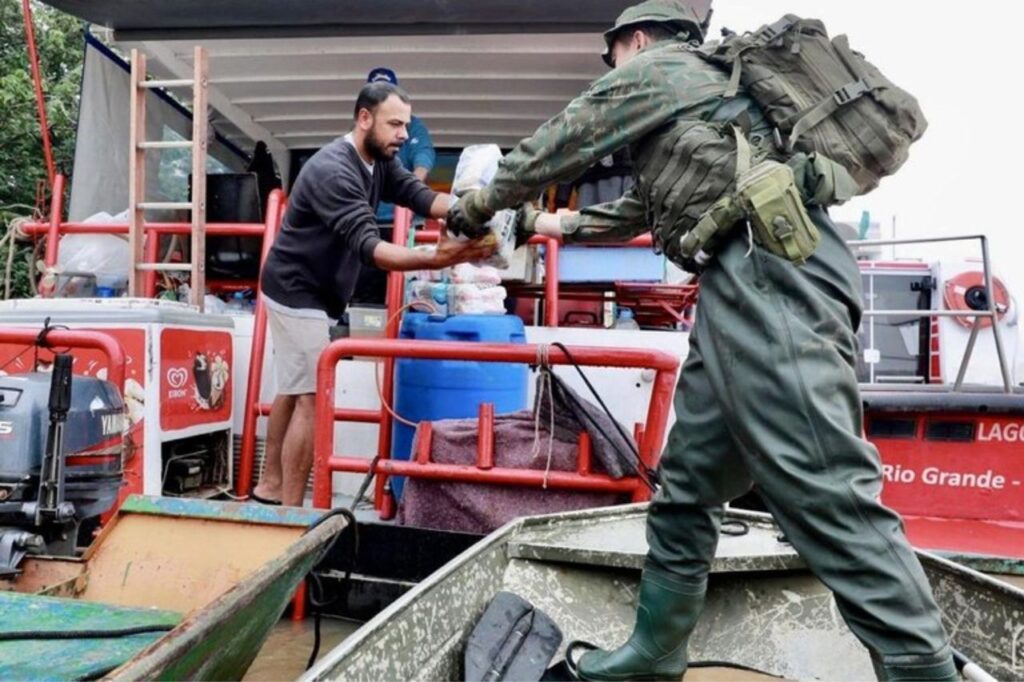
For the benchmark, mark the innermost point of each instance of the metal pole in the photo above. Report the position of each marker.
(551, 283)
(858, 243)
(1007, 382)
(967, 353)
(247, 457)
(37, 82)
(53, 229)
(871, 325)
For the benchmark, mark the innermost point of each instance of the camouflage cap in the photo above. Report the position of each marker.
(676, 12)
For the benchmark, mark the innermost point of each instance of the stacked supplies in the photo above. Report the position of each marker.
(466, 290)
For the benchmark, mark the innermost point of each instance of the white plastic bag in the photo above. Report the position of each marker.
(476, 168)
(104, 255)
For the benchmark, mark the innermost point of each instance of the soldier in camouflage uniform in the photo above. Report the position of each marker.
(768, 393)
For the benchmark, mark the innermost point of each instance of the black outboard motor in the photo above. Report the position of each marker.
(61, 459)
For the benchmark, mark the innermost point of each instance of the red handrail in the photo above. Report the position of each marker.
(37, 83)
(551, 248)
(76, 338)
(52, 228)
(254, 382)
(37, 229)
(325, 462)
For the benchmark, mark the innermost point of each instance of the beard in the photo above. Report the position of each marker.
(380, 150)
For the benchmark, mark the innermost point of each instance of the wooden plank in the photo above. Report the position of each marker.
(179, 563)
(47, 575)
(200, 127)
(137, 173)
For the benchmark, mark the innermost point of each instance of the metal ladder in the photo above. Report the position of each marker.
(143, 272)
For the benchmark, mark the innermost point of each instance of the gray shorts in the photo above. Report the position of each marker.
(298, 342)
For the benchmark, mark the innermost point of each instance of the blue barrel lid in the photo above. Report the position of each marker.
(478, 328)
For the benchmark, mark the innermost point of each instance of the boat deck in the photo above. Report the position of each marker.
(749, 542)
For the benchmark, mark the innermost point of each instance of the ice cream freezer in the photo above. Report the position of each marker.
(178, 387)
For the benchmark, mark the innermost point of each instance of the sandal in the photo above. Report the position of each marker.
(264, 500)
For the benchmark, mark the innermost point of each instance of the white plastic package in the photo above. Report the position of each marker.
(476, 299)
(468, 273)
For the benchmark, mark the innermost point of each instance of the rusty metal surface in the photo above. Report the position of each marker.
(764, 609)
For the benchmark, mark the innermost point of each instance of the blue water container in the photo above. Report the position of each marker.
(454, 389)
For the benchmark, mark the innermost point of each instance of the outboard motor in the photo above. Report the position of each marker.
(62, 446)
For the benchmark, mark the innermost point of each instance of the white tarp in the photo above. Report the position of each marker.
(100, 178)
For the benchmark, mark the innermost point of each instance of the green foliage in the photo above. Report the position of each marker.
(60, 43)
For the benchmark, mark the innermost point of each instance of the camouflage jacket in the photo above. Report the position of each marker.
(666, 104)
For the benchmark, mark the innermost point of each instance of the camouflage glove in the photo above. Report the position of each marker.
(526, 223)
(469, 215)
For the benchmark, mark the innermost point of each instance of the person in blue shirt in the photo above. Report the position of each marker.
(416, 155)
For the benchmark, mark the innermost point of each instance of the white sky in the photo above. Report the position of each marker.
(963, 62)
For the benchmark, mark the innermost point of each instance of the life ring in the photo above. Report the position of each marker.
(966, 291)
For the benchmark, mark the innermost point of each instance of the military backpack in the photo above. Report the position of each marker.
(822, 97)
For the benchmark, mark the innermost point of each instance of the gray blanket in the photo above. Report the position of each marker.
(479, 508)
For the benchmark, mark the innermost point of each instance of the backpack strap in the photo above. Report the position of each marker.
(743, 152)
(812, 116)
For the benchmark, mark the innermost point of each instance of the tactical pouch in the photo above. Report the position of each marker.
(781, 225)
(767, 196)
(699, 243)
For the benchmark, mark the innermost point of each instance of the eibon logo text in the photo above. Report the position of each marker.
(6, 429)
(177, 377)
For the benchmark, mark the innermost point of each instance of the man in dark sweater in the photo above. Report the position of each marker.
(329, 232)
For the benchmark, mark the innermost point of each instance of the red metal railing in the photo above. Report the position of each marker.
(551, 249)
(650, 437)
(54, 228)
(74, 338)
(254, 383)
(37, 83)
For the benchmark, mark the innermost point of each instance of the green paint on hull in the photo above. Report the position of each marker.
(55, 659)
(229, 652)
(239, 512)
(216, 642)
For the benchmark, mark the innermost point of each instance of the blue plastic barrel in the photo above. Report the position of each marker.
(454, 389)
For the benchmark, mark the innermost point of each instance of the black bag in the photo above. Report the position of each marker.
(513, 640)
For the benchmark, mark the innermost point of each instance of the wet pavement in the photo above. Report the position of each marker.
(286, 651)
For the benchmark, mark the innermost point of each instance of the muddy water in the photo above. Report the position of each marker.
(286, 651)
(1015, 580)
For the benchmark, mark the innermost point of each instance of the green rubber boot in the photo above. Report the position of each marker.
(939, 667)
(665, 617)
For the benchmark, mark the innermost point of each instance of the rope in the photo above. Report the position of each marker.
(376, 371)
(544, 386)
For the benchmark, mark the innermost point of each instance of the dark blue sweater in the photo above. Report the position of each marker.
(329, 230)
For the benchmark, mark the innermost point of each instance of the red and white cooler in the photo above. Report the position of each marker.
(179, 379)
